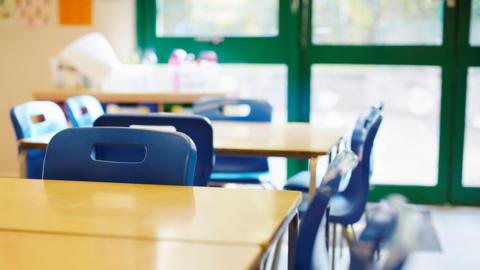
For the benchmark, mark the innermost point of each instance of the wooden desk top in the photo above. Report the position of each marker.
(42, 251)
(60, 95)
(300, 140)
(176, 213)
(265, 139)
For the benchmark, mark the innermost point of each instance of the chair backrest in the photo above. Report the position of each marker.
(90, 154)
(258, 111)
(83, 110)
(390, 225)
(36, 118)
(198, 128)
(310, 247)
(362, 141)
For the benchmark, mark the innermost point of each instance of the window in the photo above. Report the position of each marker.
(381, 22)
(206, 18)
(471, 150)
(406, 147)
(475, 23)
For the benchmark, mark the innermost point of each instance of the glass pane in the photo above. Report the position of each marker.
(207, 18)
(377, 22)
(406, 147)
(475, 23)
(471, 150)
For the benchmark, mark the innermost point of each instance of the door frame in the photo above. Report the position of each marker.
(467, 56)
(442, 56)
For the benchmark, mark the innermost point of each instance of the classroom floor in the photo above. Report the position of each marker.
(454, 244)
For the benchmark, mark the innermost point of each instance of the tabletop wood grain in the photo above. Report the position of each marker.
(44, 251)
(126, 96)
(301, 140)
(177, 213)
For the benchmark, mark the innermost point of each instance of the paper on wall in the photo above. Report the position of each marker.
(33, 13)
(75, 12)
(7, 12)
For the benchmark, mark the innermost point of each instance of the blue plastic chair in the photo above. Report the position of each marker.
(100, 154)
(83, 110)
(381, 224)
(311, 252)
(198, 128)
(228, 168)
(391, 225)
(348, 206)
(32, 119)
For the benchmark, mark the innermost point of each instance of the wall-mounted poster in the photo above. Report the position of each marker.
(75, 12)
(33, 12)
(7, 12)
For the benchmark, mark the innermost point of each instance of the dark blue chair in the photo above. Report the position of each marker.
(229, 168)
(101, 154)
(391, 225)
(83, 110)
(198, 128)
(32, 119)
(348, 206)
(311, 252)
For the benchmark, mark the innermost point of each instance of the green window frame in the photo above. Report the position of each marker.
(293, 46)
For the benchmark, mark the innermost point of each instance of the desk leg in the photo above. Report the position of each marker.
(312, 166)
(160, 107)
(292, 241)
(278, 251)
(22, 158)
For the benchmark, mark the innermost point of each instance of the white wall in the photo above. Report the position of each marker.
(24, 54)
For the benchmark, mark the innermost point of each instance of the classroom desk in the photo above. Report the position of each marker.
(296, 140)
(206, 215)
(45, 251)
(158, 98)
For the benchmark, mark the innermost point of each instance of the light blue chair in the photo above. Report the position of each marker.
(83, 110)
(229, 168)
(198, 128)
(101, 154)
(33, 119)
(311, 251)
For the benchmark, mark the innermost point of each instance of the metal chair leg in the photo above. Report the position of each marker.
(348, 235)
(353, 233)
(327, 230)
(334, 242)
(341, 245)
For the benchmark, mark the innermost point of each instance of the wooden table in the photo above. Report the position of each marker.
(45, 251)
(296, 140)
(158, 98)
(148, 216)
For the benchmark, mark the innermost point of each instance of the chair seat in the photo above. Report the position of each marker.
(341, 209)
(239, 178)
(299, 182)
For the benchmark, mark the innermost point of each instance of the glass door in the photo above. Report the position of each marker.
(466, 157)
(400, 52)
(325, 61)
